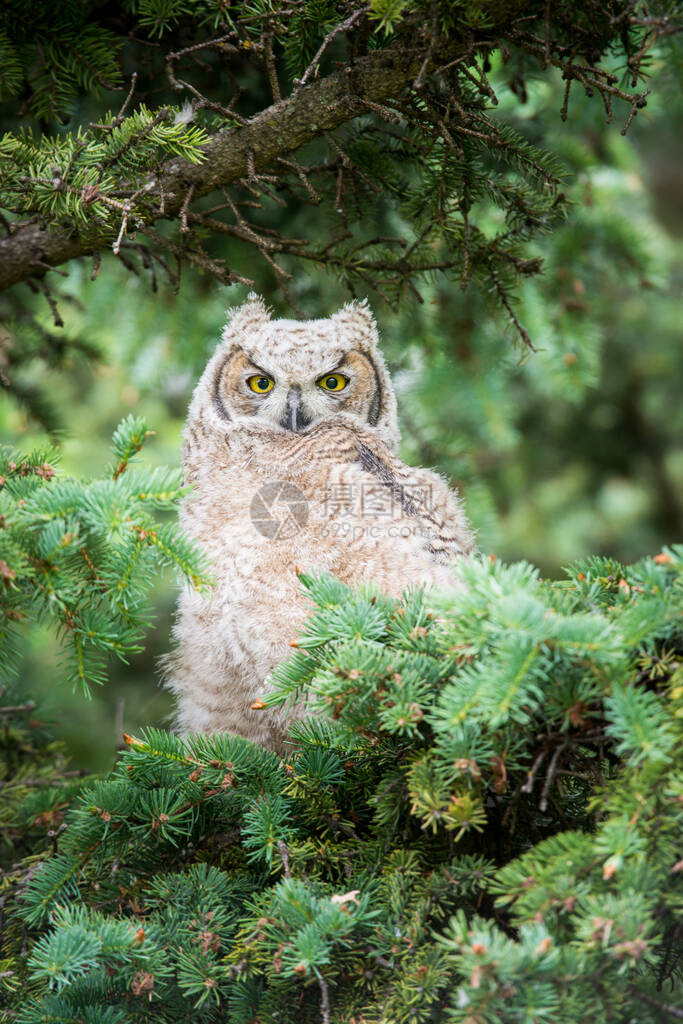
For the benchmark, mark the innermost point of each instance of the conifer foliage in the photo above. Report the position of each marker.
(192, 116)
(81, 555)
(477, 824)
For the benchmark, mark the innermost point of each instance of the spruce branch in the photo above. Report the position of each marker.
(371, 902)
(315, 109)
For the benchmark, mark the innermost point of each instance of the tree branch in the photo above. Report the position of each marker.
(281, 129)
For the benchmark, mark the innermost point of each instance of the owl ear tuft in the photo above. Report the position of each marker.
(252, 313)
(357, 314)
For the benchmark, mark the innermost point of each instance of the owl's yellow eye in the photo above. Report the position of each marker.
(261, 385)
(333, 382)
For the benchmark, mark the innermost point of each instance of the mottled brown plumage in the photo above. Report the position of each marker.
(293, 477)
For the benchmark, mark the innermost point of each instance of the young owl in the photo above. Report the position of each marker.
(290, 445)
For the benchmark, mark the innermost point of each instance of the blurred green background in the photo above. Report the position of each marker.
(572, 450)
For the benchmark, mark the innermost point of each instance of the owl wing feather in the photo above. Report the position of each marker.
(425, 496)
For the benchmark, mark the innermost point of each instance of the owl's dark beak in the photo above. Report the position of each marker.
(295, 418)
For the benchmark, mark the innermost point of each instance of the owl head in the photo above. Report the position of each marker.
(290, 375)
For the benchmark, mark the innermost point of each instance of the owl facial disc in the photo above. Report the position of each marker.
(291, 375)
